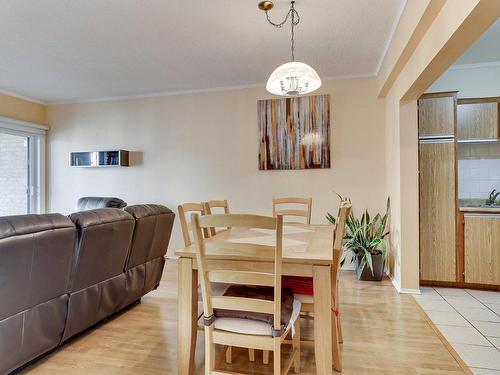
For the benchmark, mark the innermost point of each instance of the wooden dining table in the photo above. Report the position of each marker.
(307, 251)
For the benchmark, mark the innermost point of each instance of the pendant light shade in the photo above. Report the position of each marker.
(293, 79)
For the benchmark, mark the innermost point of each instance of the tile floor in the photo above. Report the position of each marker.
(470, 321)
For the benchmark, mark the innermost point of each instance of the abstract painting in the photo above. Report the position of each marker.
(294, 133)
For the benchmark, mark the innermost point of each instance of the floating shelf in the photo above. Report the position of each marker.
(113, 158)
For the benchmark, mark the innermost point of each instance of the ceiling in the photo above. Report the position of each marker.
(76, 50)
(485, 50)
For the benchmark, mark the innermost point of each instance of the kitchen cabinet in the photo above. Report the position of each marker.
(482, 248)
(437, 114)
(477, 121)
(437, 210)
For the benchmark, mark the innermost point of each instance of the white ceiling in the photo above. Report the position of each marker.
(72, 50)
(485, 50)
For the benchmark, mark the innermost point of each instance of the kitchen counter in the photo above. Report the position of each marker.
(494, 209)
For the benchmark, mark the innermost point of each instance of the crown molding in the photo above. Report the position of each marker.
(197, 91)
(475, 66)
(23, 97)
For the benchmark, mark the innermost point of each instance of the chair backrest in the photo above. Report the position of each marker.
(188, 208)
(293, 212)
(210, 205)
(338, 241)
(91, 203)
(211, 273)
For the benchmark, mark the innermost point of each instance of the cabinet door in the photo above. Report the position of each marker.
(436, 115)
(478, 120)
(482, 249)
(437, 211)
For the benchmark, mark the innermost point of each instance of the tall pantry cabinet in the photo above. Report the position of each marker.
(437, 122)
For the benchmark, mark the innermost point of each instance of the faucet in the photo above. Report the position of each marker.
(492, 197)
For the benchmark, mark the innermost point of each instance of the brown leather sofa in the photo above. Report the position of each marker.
(60, 275)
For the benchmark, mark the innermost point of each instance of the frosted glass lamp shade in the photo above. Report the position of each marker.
(293, 79)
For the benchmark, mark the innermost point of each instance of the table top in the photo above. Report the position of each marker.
(302, 243)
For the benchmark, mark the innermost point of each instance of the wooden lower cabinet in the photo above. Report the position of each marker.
(437, 211)
(482, 248)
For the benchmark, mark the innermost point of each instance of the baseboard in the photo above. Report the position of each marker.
(349, 267)
(402, 290)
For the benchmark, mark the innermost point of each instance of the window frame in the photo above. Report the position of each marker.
(36, 135)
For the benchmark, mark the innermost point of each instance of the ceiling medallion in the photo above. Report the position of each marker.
(293, 78)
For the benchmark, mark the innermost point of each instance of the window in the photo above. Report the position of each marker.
(22, 167)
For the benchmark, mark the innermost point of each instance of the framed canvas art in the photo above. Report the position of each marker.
(294, 133)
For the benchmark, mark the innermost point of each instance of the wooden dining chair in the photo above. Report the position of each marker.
(210, 206)
(189, 208)
(232, 330)
(303, 286)
(305, 213)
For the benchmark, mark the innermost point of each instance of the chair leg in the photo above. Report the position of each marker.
(339, 328)
(296, 347)
(209, 351)
(337, 358)
(251, 355)
(229, 355)
(277, 356)
(265, 357)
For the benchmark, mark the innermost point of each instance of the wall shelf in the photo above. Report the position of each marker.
(96, 159)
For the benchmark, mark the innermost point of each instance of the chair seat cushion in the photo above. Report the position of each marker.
(299, 285)
(258, 292)
(255, 327)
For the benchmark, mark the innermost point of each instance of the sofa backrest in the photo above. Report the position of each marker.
(92, 203)
(36, 256)
(103, 241)
(153, 227)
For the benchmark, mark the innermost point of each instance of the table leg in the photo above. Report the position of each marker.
(322, 284)
(187, 313)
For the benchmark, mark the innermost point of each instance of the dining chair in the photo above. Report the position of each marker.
(305, 213)
(189, 208)
(216, 204)
(204, 208)
(235, 319)
(303, 286)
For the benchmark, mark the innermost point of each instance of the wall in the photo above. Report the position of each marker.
(482, 80)
(203, 146)
(478, 169)
(13, 175)
(21, 109)
(443, 31)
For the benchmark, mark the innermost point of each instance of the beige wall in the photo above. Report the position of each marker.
(204, 146)
(20, 109)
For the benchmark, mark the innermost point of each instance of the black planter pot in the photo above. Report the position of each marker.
(365, 274)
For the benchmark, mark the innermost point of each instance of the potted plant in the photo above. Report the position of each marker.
(365, 241)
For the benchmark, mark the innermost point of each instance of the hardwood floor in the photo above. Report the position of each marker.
(384, 333)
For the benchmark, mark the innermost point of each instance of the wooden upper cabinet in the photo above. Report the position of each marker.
(437, 211)
(482, 249)
(437, 114)
(477, 120)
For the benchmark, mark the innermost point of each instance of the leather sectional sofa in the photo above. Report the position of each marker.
(61, 275)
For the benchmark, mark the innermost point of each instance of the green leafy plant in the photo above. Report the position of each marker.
(365, 235)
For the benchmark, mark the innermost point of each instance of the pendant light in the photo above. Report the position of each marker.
(293, 78)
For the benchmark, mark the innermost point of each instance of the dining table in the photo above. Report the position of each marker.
(307, 252)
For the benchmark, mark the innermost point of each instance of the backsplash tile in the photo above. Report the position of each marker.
(478, 169)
